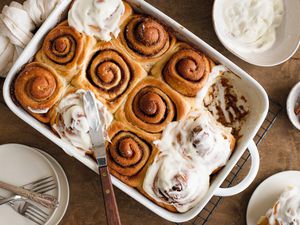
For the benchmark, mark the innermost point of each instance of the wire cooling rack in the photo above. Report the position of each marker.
(206, 213)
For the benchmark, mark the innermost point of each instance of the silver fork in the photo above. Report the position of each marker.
(40, 186)
(28, 209)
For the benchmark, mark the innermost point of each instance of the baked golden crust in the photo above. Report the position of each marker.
(37, 88)
(110, 74)
(145, 39)
(65, 49)
(185, 69)
(151, 106)
(129, 153)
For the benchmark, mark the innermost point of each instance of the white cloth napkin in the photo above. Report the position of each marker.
(17, 23)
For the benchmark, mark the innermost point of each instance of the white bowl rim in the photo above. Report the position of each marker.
(244, 58)
(289, 108)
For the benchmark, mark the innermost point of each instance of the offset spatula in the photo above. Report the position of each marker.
(98, 142)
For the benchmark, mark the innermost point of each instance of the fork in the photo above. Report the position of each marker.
(28, 209)
(40, 186)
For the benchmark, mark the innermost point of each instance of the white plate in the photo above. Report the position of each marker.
(20, 164)
(63, 188)
(268, 192)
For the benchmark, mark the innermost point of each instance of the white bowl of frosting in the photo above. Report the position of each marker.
(261, 32)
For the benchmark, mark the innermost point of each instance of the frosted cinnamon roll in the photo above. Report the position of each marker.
(175, 182)
(151, 106)
(200, 138)
(37, 88)
(64, 49)
(110, 74)
(69, 121)
(184, 69)
(129, 153)
(145, 39)
(286, 209)
(100, 19)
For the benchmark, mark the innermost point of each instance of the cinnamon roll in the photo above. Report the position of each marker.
(129, 152)
(65, 49)
(175, 182)
(200, 138)
(110, 74)
(185, 69)
(69, 121)
(145, 39)
(151, 106)
(286, 209)
(37, 88)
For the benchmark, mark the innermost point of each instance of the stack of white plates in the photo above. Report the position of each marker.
(19, 165)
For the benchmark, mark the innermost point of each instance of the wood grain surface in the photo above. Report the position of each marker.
(279, 151)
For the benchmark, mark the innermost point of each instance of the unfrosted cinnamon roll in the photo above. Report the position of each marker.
(65, 49)
(129, 153)
(184, 69)
(145, 39)
(69, 121)
(37, 88)
(200, 138)
(175, 182)
(110, 74)
(152, 105)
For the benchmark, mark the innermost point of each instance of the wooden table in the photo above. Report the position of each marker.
(279, 151)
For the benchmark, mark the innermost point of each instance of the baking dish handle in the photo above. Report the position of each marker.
(248, 179)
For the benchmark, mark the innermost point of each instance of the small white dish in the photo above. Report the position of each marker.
(20, 164)
(268, 192)
(292, 100)
(287, 36)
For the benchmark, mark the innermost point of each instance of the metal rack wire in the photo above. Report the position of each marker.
(206, 213)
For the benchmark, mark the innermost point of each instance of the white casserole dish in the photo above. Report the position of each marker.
(251, 89)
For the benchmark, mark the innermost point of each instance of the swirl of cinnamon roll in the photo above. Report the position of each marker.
(174, 180)
(187, 71)
(129, 153)
(146, 36)
(64, 48)
(37, 88)
(145, 39)
(69, 121)
(110, 75)
(152, 105)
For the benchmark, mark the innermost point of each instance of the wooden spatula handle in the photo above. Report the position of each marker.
(111, 208)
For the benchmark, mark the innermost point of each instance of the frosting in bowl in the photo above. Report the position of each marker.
(73, 125)
(97, 18)
(251, 24)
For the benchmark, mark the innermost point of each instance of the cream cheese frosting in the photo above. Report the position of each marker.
(174, 180)
(251, 24)
(73, 125)
(190, 150)
(287, 209)
(200, 138)
(97, 18)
